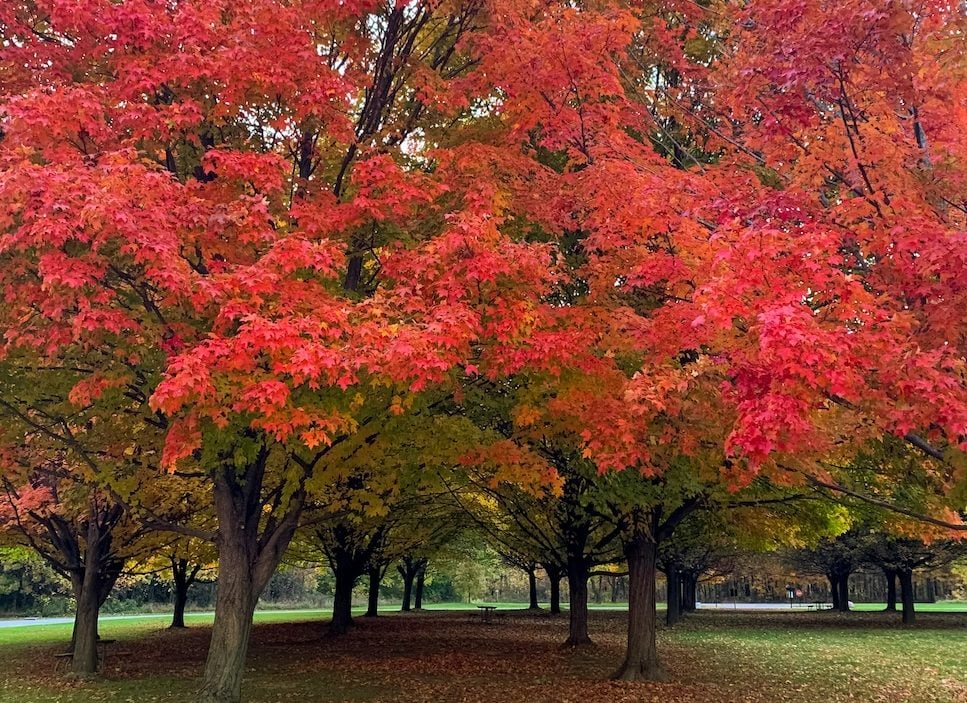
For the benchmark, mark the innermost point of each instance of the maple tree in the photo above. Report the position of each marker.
(236, 236)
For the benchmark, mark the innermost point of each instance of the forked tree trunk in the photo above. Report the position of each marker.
(641, 656)
(577, 588)
(182, 577)
(890, 589)
(673, 610)
(92, 583)
(375, 579)
(906, 596)
(247, 558)
(532, 587)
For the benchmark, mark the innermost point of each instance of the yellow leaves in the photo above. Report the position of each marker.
(526, 415)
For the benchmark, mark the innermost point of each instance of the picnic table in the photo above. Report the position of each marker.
(487, 612)
(102, 646)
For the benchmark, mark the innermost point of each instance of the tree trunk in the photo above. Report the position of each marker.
(247, 558)
(408, 576)
(234, 608)
(673, 611)
(577, 588)
(833, 590)
(906, 596)
(554, 577)
(418, 591)
(532, 587)
(183, 576)
(689, 592)
(843, 588)
(890, 589)
(641, 657)
(342, 602)
(84, 638)
(375, 578)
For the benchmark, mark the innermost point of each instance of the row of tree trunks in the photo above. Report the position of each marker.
(413, 571)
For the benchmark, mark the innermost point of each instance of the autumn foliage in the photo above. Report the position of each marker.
(236, 233)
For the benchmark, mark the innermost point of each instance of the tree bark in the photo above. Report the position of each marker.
(843, 588)
(554, 577)
(234, 608)
(418, 590)
(182, 577)
(249, 551)
(833, 590)
(641, 657)
(408, 577)
(890, 589)
(375, 578)
(577, 588)
(906, 596)
(673, 610)
(84, 638)
(689, 592)
(532, 587)
(342, 602)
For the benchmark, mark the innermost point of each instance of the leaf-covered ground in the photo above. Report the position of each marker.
(713, 657)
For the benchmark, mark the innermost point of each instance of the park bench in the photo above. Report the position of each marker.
(819, 605)
(67, 657)
(487, 612)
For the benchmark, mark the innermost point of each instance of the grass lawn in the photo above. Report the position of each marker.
(712, 657)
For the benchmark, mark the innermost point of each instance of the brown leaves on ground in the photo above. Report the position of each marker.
(453, 656)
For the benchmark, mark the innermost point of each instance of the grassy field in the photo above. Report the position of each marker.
(713, 657)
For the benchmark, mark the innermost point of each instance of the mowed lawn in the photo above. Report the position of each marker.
(712, 657)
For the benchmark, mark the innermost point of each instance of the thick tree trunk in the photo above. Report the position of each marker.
(247, 558)
(689, 592)
(375, 578)
(843, 588)
(641, 657)
(84, 638)
(234, 608)
(418, 590)
(906, 596)
(342, 602)
(577, 588)
(554, 577)
(532, 587)
(673, 611)
(178, 611)
(833, 590)
(890, 589)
